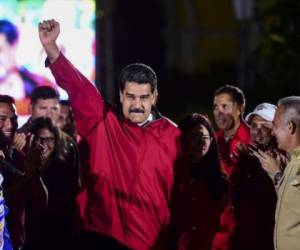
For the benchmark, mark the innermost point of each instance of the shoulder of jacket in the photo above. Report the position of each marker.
(170, 122)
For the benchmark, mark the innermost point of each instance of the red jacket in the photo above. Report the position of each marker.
(229, 159)
(130, 168)
(198, 216)
(228, 150)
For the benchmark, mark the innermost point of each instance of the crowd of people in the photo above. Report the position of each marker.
(88, 174)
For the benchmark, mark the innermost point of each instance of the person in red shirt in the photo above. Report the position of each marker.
(130, 157)
(203, 196)
(229, 106)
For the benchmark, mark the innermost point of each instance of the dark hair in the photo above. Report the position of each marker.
(7, 99)
(237, 95)
(209, 167)
(69, 127)
(11, 101)
(139, 73)
(9, 30)
(62, 143)
(65, 102)
(43, 92)
(44, 123)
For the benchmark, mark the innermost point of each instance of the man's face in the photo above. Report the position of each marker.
(226, 112)
(137, 101)
(281, 130)
(46, 108)
(63, 116)
(7, 116)
(260, 130)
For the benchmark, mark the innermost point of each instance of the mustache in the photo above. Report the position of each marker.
(136, 110)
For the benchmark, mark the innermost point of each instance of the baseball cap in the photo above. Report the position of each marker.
(264, 110)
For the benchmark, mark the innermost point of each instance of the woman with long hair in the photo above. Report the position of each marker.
(203, 196)
(59, 170)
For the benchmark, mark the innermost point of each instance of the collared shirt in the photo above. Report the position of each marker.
(129, 169)
(287, 217)
(228, 148)
(149, 119)
(228, 156)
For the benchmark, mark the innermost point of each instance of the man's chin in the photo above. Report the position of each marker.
(261, 142)
(137, 119)
(222, 126)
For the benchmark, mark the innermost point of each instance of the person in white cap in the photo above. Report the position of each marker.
(253, 194)
(265, 148)
(260, 121)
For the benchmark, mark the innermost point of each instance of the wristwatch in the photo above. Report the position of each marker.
(277, 177)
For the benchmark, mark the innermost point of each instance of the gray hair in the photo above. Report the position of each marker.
(291, 107)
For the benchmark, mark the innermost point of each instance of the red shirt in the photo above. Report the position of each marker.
(130, 169)
(228, 149)
(229, 158)
(197, 219)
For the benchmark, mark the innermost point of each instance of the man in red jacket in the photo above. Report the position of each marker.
(229, 106)
(130, 158)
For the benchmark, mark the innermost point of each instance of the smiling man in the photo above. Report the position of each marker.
(286, 129)
(8, 126)
(253, 193)
(130, 157)
(260, 121)
(229, 105)
(8, 119)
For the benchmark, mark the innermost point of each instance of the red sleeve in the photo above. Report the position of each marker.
(86, 101)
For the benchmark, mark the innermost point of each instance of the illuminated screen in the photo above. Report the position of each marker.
(21, 56)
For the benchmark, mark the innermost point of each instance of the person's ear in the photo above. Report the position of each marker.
(155, 97)
(292, 127)
(121, 97)
(242, 108)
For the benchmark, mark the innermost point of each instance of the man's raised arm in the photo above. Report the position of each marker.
(48, 33)
(86, 101)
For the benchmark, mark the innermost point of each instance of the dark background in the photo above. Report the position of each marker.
(195, 46)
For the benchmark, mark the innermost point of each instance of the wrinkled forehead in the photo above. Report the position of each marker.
(258, 119)
(223, 98)
(137, 88)
(280, 114)
(266, 125)
(46, 102)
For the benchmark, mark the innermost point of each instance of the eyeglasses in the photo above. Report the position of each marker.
(42, 140)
